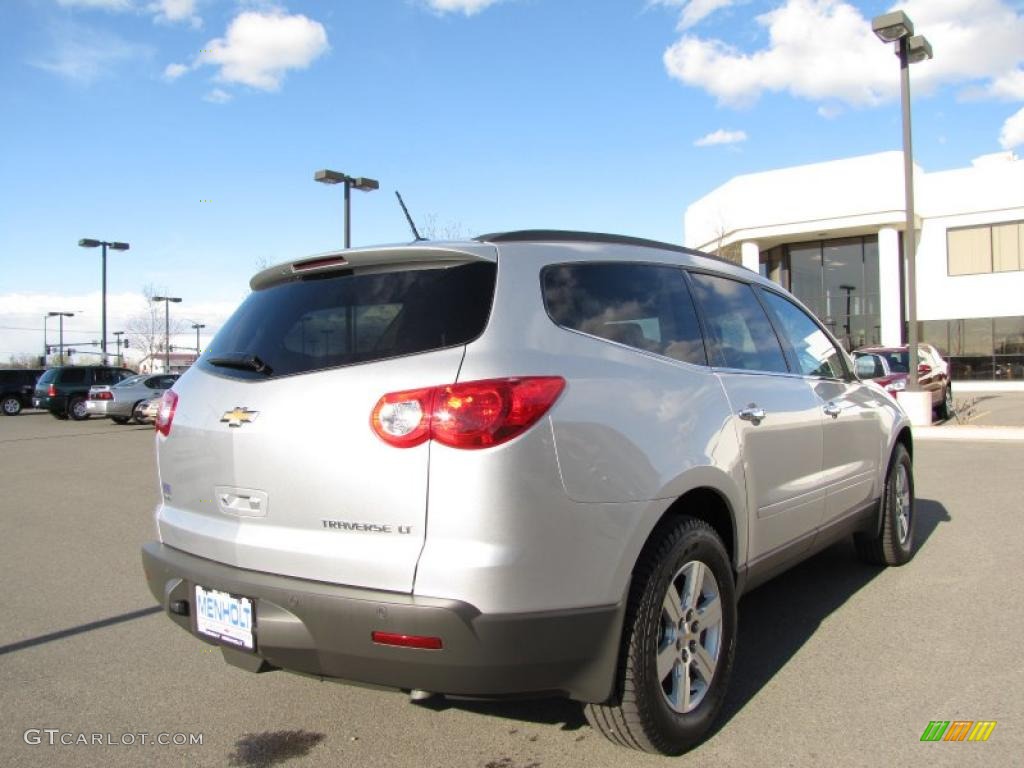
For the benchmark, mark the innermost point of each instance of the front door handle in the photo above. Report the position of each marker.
(832, 409)
(753, 414)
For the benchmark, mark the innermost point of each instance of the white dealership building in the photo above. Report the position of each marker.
(832, 234)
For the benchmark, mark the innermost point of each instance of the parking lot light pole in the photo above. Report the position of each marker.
(120, 360)
(167, 327)
(197, 326)
(358, 182)
(60, 316)
(896, 27)
(90, 243)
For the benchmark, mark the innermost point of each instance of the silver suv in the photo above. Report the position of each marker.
(534, 463)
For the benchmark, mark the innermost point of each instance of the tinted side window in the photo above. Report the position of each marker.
(739, 331)
(815, 354)
(73, 376)
(106, 376)
(641, 305)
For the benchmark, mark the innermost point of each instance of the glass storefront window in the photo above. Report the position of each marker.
(1008, 336)
(805, 276)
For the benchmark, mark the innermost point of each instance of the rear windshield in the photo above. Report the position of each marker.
(48, 376)
(131, 381)
(337, 320)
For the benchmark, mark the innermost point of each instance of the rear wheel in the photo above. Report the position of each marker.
(77, 409)
(894, 544)
(10, 405)
(678, 644)
(137, 414)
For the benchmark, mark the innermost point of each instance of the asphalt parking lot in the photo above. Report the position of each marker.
(839, 663)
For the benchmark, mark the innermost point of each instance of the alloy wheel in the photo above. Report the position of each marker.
(691, 636)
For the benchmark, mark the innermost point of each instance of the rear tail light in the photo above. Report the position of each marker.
(101, 395)
(472, 414)
(165, 413)
(51, 391)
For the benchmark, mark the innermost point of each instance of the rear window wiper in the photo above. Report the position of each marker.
(244, 362)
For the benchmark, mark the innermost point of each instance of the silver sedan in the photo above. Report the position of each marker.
(119, 400)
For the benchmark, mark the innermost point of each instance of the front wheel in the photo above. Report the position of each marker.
(11, 406)
(678, 645)
(894, 543)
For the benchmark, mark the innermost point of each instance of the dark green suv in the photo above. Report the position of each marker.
(63, 391)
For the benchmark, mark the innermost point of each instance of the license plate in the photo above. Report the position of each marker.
(224, 617)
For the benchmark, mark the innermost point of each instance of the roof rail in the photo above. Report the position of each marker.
(568, 236)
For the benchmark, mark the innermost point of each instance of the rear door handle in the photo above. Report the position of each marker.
(753, 414)
(832, 409)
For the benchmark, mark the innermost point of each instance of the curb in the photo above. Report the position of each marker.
(969, 432)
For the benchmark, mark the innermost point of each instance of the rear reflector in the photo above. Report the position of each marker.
(408, 641)
(165, 413)
(472, 414)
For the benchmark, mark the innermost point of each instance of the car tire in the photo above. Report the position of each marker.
(59, 415)
(76, 409)
(683, 574)
(894, 543)
(119, 419)
(945, 409)
(136, 415)
(10, 405)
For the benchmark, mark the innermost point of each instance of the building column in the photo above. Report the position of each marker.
(750, 256)
(889, 286)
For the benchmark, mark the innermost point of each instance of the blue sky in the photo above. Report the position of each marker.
(122, 117)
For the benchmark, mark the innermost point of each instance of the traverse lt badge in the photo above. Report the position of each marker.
(239, 416)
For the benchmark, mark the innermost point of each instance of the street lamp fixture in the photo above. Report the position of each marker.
(890, 27)
(167, 300)
(361, 183)
(910, 48)
(87, 242)
(61, 315)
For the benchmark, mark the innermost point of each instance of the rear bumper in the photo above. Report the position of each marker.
(325, 629)
(107, 408)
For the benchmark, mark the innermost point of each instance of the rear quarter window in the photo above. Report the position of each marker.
(73, 376)
(344, 319)
(644, 306)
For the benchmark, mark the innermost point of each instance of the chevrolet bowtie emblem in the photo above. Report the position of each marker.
(238, 417)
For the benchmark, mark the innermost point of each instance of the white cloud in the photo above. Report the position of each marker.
(259, 47)
(176, 10)
(466, 7)
(83, 54)
(1012, 134)
(1009, 86)
(174, 71)
(694, 11)
(217, 96)
(824, 49)
(721, 136)
(830, 111)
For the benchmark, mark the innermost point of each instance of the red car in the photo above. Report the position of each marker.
(887, 367)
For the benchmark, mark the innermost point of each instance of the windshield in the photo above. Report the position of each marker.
(342, 319)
